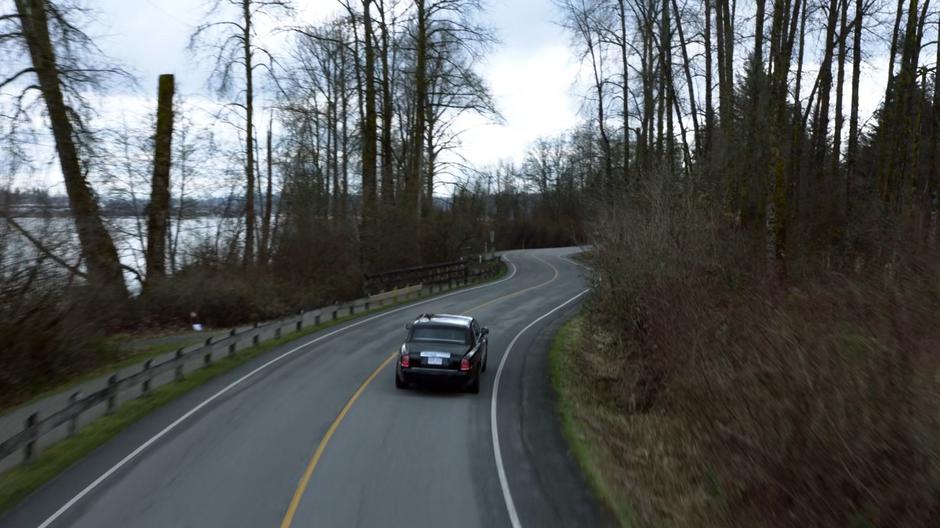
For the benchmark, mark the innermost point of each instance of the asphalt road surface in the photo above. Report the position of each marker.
(314, 433)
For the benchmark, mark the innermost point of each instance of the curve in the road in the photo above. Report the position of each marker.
(321, 447)
(135, 453)
(494, 426)
(232, 451)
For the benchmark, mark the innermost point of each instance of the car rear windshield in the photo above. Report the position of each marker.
(447, 334)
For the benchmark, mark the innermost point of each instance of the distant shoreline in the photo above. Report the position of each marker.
(64, 212)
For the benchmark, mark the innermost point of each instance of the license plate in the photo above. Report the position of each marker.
(435, 361)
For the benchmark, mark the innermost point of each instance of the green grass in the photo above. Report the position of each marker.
(133, 356)
(576, 410)
(20, 481)
(126, 360)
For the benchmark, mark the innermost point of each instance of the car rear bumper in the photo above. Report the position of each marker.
(432, 375)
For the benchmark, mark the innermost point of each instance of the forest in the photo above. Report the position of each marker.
(349, 170)
(765, 327)
(764, 251)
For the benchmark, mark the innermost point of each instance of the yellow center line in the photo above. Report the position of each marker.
(520, 292)
(305, 479)
(312, 465)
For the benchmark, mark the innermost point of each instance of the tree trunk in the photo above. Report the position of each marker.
(625, 92)
(388, 184)
(856, 78)
(249, 257)
(796, 142)
(709, 86)
(430, 160)
(98, 250)
(776, 202)
(899, 12)
(328, 196)
(758, 56)
(344, 136)
(264, 250)
(687, 68)
(797, 101)
(840, 81)
(648, 101)
(934, 176)
(686, 152)
(725, 61)
(369, 125)
(158, 211)
(916, 128)
(413, 184)
(599, 89)
(724, 88)
(669, 96)
(821, 121)
(335, 131)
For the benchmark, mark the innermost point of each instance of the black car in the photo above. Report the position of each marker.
(443, 348)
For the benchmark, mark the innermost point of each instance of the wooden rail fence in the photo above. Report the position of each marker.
(441, 277)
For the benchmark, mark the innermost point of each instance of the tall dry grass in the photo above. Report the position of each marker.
(811, 404)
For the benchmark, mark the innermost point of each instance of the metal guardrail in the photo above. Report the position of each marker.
(431, 274)
(35, 427)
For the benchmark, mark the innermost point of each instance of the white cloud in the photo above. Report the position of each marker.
(533, 92)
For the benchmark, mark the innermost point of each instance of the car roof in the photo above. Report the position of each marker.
(444, 319)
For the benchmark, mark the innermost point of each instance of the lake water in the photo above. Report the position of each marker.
(130, 238)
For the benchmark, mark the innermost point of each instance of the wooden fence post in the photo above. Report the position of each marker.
(112, 394)
(178, 371)
(145, 386)
(29, 450)
(73, 422)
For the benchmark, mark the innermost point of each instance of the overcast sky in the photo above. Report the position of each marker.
(530, 72)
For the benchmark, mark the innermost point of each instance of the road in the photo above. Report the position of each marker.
(314, 433)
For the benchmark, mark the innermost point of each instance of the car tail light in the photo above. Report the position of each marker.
(464, 364)
(405, 360)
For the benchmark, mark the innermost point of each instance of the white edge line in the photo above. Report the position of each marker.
(133, 454)
(500, 470)
(576, 263)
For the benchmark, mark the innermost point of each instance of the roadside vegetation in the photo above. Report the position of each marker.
(335, 165)
(17, 483)
(761, 345)
(716, 398)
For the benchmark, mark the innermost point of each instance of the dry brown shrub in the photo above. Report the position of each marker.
(815, 404)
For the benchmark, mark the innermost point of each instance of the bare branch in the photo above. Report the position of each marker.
(40, 246)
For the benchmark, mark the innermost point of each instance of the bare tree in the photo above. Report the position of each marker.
(265, 242)
(54, 46)
(234, 44)
(583, 20)
(158, 211)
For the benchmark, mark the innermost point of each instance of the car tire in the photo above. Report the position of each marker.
(474, 387)
(399, 384)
